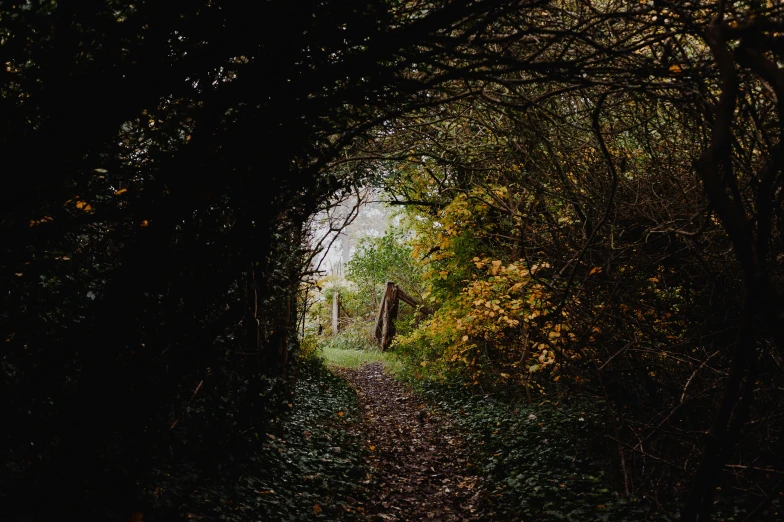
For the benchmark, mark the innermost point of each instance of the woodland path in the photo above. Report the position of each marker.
(420, 468)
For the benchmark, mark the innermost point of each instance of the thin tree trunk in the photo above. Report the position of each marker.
(724, 432)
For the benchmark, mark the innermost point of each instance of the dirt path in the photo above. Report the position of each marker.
(420, 470)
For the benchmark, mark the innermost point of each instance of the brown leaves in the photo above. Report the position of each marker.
(420, 469)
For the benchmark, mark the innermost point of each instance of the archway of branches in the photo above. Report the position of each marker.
(167, 160)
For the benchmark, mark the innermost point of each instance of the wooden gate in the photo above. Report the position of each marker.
(387, 313)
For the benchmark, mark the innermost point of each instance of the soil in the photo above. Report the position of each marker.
(421, 470)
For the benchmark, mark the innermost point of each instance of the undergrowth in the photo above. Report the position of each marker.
(537, 458)
(307, 464)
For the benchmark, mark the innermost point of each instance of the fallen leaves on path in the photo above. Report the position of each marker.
(421, 470)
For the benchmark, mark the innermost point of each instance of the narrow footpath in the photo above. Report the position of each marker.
(421, 471)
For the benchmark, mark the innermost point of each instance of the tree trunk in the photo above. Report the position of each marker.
(391, 305)
(725, 430)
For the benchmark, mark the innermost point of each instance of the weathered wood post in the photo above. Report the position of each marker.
(388, 331)
(387, 313)
(381, 318)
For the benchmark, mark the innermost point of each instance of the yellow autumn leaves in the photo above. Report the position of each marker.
(495, 315)
(489, 313)
(79, 204)
(45, 219)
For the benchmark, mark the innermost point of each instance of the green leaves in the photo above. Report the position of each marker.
(310, 456)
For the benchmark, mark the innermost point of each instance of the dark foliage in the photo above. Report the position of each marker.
(162, 161)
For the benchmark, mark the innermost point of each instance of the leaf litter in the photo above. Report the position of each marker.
(419, 468)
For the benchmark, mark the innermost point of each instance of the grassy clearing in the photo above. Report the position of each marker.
(353, 347)
(351, 358)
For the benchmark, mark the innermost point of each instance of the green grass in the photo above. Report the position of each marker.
(348, 358)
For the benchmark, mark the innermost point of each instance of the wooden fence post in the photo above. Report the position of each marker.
(335, 313)
(387, 313)
(388, 330)
(381, 318)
